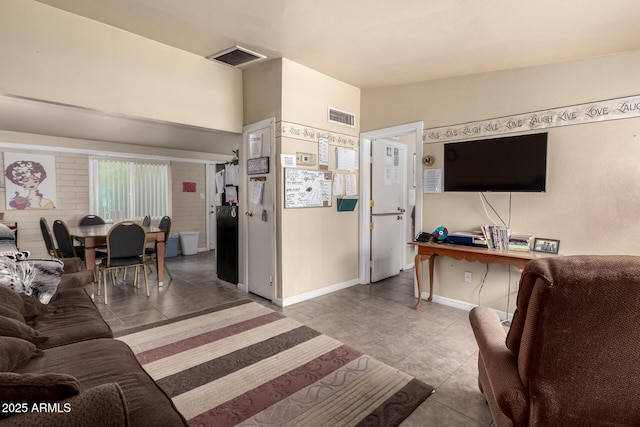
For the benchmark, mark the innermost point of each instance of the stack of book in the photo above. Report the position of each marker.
(519, 242)
(497, 236)
(500, 237)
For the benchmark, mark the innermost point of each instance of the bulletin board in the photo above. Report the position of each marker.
(305, 188)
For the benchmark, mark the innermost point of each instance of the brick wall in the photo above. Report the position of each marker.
(189, 208)
(72, 200)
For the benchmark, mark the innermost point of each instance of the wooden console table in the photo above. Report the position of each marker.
(468, 253)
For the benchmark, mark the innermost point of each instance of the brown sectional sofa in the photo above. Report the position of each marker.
(59, 365)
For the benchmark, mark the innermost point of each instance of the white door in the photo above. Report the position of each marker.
(388, 210)
(259, 219)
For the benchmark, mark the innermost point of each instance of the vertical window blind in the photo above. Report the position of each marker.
(129, 189)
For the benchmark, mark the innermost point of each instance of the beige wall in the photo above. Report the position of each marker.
(60, 57)
(72, 185)
(317, 247)
(592, 192)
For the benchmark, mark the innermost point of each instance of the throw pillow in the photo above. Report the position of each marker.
(13, 328)
(14, 352)
(36, 278)
(36, 388)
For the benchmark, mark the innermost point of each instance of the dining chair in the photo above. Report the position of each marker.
(91, 220)
(66, 249)
(48, 239)
(126, 243)
(146, 221)
(152, 253)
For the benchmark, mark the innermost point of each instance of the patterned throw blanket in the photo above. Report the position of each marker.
(38, 278)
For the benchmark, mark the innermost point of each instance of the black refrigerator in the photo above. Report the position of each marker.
(227, 240)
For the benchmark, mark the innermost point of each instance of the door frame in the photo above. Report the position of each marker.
(210, 201)
(365, 186)
(267, 123)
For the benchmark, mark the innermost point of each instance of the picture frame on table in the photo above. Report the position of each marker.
(543, 244)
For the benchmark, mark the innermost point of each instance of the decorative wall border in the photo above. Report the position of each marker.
(612, 109)
(307, 133)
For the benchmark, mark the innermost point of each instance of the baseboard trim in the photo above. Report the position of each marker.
(463, 305)
(317, 293)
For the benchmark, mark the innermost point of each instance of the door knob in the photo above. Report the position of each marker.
(401, 210)
(248, 213)
(399, 217)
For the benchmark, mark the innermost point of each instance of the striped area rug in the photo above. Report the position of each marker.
(241, 363)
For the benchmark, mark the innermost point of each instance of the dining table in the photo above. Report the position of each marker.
(92, 236)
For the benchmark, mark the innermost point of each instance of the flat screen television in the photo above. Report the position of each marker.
(508, 164)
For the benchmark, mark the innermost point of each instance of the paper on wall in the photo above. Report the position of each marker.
(346, 159)
(257, 190)
(432, 180)
(231, 194)
(288, 160)
(351, 185)
(231, 175)
(338, 184)
(220, 182)
(255, 145)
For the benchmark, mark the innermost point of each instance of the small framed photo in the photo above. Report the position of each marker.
(258, 166)
(550, 246)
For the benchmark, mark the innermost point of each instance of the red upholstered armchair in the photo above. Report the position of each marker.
(572, 353)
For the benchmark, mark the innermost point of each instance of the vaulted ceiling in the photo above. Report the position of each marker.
(373, 43)
(366, 43)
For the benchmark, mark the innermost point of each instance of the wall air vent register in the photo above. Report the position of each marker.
(235, 56)
(341, 117)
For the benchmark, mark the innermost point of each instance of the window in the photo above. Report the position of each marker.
(129, 189)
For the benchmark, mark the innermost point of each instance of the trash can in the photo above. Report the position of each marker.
(189, 242)
(171, 247)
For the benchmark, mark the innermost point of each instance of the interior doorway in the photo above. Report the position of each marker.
(388, 211)
(260, 209)
(411, 135)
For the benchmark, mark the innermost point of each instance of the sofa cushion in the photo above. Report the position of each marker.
(36, 388)
(71, 316)
(14, 352)
(32, 308)
(14, 328)
(102, 361)
(11, 300)
(11, 313)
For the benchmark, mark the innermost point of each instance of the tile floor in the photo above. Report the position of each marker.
(434, 343)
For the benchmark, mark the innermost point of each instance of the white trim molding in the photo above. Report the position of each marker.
(599, 111)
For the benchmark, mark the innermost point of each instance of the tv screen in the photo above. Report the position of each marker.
(509, 164)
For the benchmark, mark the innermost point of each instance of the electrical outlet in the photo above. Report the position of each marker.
(468, 277)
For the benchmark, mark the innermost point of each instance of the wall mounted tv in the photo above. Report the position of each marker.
(508, 164)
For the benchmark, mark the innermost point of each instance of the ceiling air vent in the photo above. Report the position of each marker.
(236, 56)
(342, 117)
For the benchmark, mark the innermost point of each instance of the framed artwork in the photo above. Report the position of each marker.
(30, 181)
(259, 165)
(550, 246)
